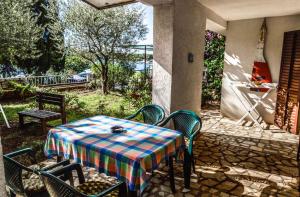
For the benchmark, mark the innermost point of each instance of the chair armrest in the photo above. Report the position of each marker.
(132, 116)
(68, 169)
(112, 188)
(26, 151)
(21, 152)
(158, 123)
(163, 123)
(190, 146)
(62, 163)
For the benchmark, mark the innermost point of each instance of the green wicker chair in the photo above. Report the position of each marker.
(152, 114)
(189, 124)
(23, 180)
(58, 188)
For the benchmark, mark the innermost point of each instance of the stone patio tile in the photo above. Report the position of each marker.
(234, 160)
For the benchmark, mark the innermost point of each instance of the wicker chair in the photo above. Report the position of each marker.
(152, 114)
(189, 124)
(58, 188)
(23, 180)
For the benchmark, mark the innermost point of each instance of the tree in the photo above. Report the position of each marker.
(76, 64)
(18, 31)
(101, 36)
(51, 40)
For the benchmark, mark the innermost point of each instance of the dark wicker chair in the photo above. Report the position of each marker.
(152, 114)
(58, 188)
(189, 124)
(23, 180)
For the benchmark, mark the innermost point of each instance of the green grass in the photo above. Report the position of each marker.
(11, 111)
(90, 104)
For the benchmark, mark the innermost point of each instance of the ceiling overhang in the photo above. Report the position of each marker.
(103, 4)
(248, 9)
(227, 9)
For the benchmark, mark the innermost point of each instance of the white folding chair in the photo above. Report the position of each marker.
(257, 102)
(4, 116)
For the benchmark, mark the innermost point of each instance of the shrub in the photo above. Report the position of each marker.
(72, 101)
(213, 63)
(1, 92)
(119, 75)
(22, 90)
(94, 84)
(139, 92)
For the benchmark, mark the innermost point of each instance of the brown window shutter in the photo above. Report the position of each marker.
(287, 106)
(295, 86)
(287, 51)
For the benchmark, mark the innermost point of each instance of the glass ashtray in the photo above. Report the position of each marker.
(117, 129)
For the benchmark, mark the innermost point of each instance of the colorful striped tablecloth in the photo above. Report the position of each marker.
(128, 156)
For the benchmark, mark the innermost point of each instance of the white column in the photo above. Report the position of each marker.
(179, 29)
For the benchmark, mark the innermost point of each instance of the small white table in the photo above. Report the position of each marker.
(235, 85)
(4, 116)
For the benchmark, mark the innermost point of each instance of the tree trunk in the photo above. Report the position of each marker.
(104, 75)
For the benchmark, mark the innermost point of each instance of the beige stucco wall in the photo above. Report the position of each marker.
(163, 55)
(189, 33)
(179, 29)
(241, 40)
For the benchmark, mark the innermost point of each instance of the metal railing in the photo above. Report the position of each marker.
(50, 80)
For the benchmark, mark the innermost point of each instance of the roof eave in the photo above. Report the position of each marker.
(110, 5)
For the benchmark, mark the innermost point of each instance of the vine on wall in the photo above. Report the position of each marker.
(214, 64)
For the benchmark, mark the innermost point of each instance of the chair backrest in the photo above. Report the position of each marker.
(58, 188)
(53, 99)
(186, 121)
(13, 175)
(152, 114)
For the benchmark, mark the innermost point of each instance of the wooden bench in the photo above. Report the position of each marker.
(43, 115)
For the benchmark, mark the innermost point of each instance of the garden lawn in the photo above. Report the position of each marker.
(79, 105)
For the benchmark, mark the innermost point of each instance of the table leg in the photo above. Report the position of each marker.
(171, 174)
(132, 193)
(187, 169)
(58, 159)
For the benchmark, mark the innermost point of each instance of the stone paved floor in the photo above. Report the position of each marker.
(235, 161)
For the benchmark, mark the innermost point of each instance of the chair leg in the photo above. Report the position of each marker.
(193, 163)
(10, 193)
(187, 169)
(58, 159)
(171, 174)
(123, 190)
(21, 121)
(44, 126)
(298, 153)
(132, 193)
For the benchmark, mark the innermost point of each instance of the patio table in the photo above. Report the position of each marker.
(128, 156)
